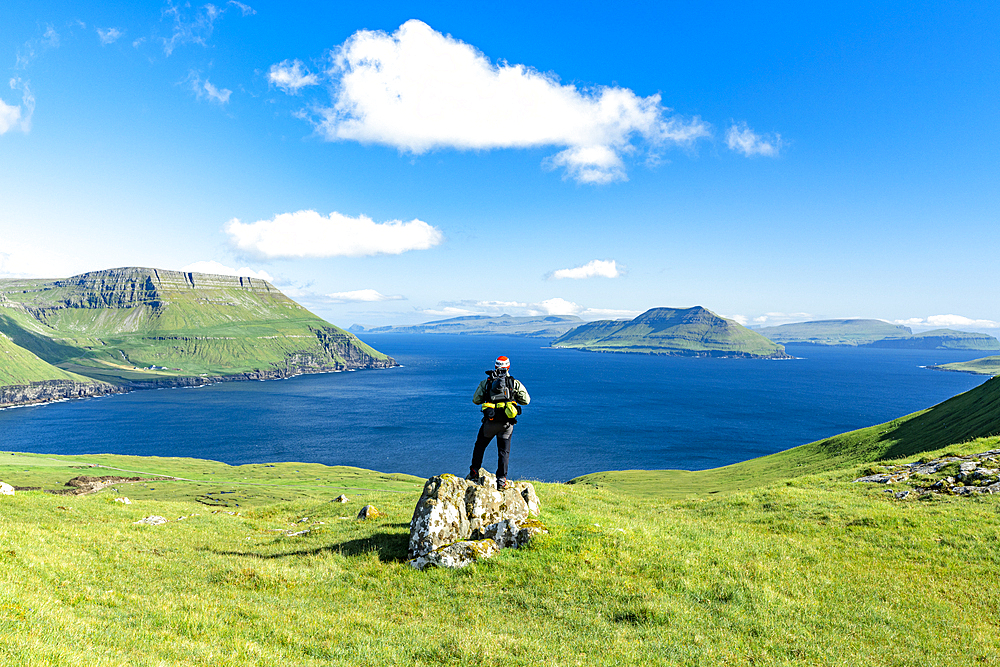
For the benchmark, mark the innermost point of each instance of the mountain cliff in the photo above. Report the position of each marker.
(685, 331)
(136, 326)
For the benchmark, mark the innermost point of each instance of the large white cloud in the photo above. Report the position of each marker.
(418, 90)
(362, 295)
(742, 139)
(309, 234)
(211, 266)
(948, 322)
(595, 268)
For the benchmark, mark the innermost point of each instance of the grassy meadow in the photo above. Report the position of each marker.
(811, 570)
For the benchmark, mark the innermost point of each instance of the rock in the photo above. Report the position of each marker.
(881, 478)
(452, 510)
(456, 555)
(124, 501)
(152, 520)
(6, 489)
(369, 512)
(340, 499)
(902, 494)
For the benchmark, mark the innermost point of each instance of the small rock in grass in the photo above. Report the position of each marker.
(340, 499)
(6, 489)
(369, 512)
(123, 500)
(152, 520)
(902, 494)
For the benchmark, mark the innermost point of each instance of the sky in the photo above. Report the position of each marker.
(389, 163)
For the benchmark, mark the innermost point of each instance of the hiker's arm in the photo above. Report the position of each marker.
(478, 395)
(520, 393)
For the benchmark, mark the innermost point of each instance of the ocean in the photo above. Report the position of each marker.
(589, 412)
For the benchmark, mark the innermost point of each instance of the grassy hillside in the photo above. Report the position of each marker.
(984, 366)
(19, 366)
(815, 571)
(686, 331)
(124, 325)
(876, 333)
(973, 414)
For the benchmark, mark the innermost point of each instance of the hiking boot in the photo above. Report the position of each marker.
(473, 475)
(502, 484)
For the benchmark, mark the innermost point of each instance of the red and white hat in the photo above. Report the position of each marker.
(503, 363)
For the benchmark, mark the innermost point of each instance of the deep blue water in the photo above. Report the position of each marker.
(589, 412)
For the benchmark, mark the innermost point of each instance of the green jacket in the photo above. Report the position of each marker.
(520, 393)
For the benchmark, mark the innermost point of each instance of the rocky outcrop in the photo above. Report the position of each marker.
(953, 475)
(47, 391)
(455, 517)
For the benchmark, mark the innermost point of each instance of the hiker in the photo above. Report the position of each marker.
(501, 398)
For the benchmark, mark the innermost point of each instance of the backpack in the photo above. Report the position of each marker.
(500, 389)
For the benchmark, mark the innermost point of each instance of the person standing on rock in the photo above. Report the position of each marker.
(501, 398)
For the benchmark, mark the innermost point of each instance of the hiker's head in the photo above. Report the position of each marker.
(503, 364)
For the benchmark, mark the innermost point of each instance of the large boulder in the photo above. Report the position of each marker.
(453, 510)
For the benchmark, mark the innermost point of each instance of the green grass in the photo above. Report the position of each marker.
(968, 416)
(984, 366)
(20, 367)
(815, 571)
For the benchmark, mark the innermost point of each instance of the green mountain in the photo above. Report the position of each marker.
(876, 333)
(984, 366)
(685, 331)
(549, 326)
(968, 416)
(136, 326)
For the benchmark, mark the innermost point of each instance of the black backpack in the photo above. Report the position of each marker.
(499, 387)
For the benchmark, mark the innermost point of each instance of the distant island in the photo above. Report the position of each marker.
(984, 366)
(875, 333)
(131, 328)
(550, 326)
(673, 331)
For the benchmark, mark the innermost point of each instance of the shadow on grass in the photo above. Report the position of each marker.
(389, 547)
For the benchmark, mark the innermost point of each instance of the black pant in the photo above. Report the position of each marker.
(502, 430)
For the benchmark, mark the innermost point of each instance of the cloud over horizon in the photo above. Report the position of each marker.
(419, 90)
(362, 295)
(309, 234)
(596, 268)
(553, 306)
(948, 322)
(742, 139)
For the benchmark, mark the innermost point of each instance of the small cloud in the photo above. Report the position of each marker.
(365, 295)
(777, 319)
(309, 234)
(204, 89)
(190, 29)
(17, 117)
(419, 90)
(609, 314)
(948, 322)
(555, 306)
(51, 37)
(211, 266)
(109, 35)
(740, 319)
(245, 9)
(742, 139)
(595, 268)
(291, 76)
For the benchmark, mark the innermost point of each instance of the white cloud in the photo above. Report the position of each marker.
(109, 35)
(190, 29)
(19, 260)
(17, 117)
(51, 37)
(418, 90)
(595, 268)
(211, 266)
(246, 10)
(739, 319)
(742, 139)
(948, 322)
(216, 94)
(777, 319)
(291, 76)
(309, 234)
(204, 89)
(366, 295)
(609, 314)
(555, 306)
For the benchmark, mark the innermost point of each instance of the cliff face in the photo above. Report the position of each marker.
(53, 390)
(138, 327)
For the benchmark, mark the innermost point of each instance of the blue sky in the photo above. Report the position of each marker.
(401, 163)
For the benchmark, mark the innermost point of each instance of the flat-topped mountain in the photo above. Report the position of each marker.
(136, 326)
(549, 326)
(875, 333)
(672, 331)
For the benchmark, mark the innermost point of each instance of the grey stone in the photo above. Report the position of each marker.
(369, 512)
(152, 520)
(459, 554)
(340, 499)
(902, 494)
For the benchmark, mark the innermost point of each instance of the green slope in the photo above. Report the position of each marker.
(984, 366)
(684, 331)
(835, 332)
(973, 414)
(19, 366)
(131, 324)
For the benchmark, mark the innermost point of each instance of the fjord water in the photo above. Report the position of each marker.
(589, 411)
